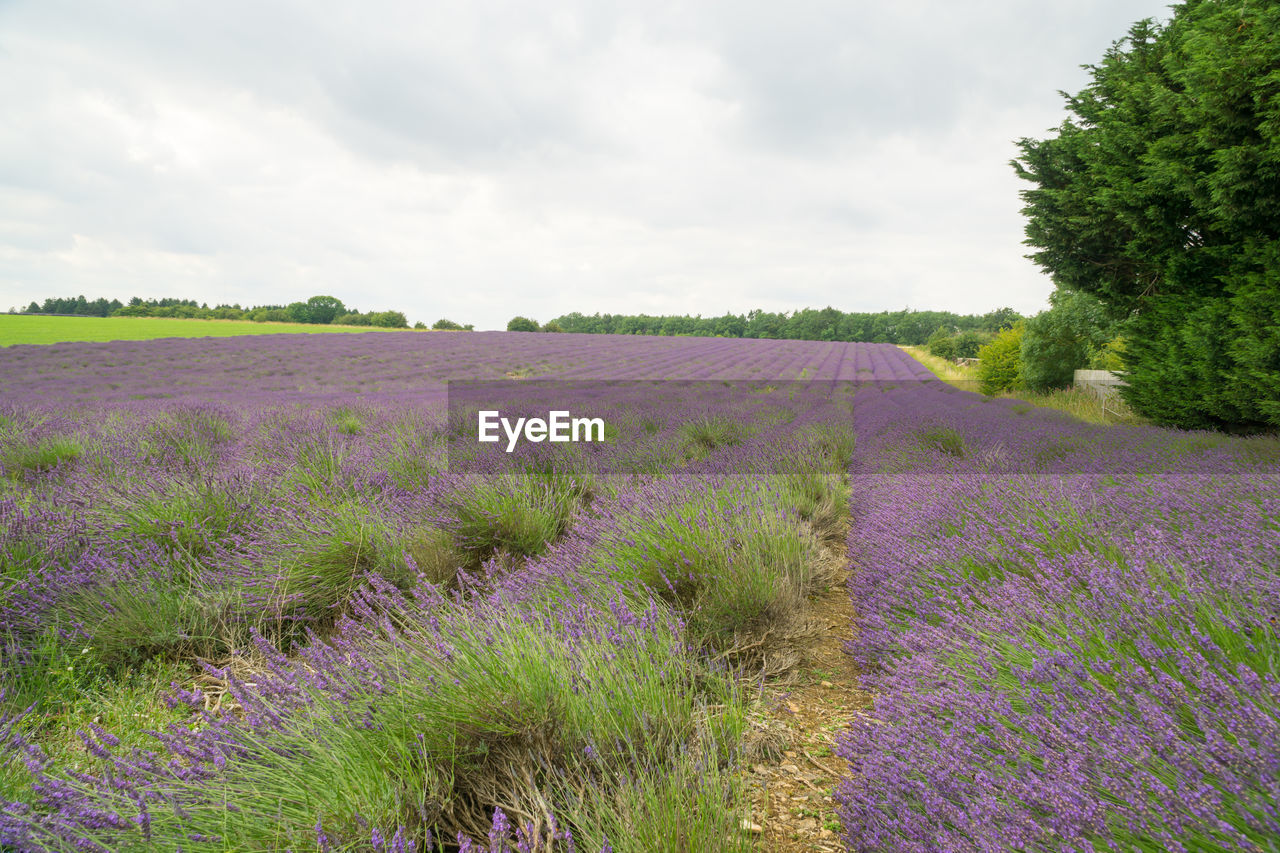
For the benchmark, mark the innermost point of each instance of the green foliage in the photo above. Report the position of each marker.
(941, 344)
(515, 515)
(943, 439)
(44, 455)
(552, 326)
(323, 309)
(317, 311)
(76, 305)
(185, 518)
(969, 342)
(522, 324)
(999, 362)
(674, 809)
(735, 567)
(50, 671)
(388, 320)
(516, 713)
(192, 434)
(1063, 339)
(172, 613)
(826, 324)
(444, 324)
(704, 435)
(1109, 357)
(1161, 197)
(327, 565)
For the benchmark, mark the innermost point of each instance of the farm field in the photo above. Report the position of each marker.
(26, 329)
(253, 596)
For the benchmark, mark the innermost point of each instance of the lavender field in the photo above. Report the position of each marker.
(247, 603)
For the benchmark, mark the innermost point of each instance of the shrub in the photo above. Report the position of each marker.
(389, 320)
(942, 344)
(969, 343)
(999, 362)
(1061, 340)
(522, 324)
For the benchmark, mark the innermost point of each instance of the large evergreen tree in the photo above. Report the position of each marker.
(1161, 197)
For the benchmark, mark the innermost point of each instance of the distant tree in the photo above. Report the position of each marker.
(389, 319)
(419, 325)
(522, 324)
(552, 326)
(942, 344)
(999, 320)
(999, 362)
(446, 325)
(299, 312)
(324, 309)
(968, 343)
(353, 318)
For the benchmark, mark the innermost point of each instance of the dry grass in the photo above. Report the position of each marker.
(1076, 402)
(948, 371)
(1082, 404)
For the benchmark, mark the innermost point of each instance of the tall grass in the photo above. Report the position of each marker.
(585, 720)
(727, 557)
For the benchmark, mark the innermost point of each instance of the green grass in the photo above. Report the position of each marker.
(945, 370)
(1073, 401)
(944, 440)
(1081, 404)
(34, 329)
(619, 730)
(45, 455)
(71, 688)
(729, 561)
(517, 515)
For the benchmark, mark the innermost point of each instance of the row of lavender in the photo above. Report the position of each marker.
(274, 369)
(397, 655)
(1080, 660)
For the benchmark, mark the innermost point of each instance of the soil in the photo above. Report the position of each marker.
(792, 781)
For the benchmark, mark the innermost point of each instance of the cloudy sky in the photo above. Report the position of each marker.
(480, 160)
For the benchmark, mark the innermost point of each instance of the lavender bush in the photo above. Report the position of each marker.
(1071, 631)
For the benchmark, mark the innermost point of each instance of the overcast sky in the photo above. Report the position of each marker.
(480, 160)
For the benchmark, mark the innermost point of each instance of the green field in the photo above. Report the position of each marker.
(34, 329)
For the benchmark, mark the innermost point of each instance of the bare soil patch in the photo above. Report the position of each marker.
(792, 770)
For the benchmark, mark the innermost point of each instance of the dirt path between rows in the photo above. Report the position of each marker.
(791, 786)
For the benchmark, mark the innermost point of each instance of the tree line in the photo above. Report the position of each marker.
(318, 310)
(810, 324)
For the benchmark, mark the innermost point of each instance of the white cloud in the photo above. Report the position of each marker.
(478, 161)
